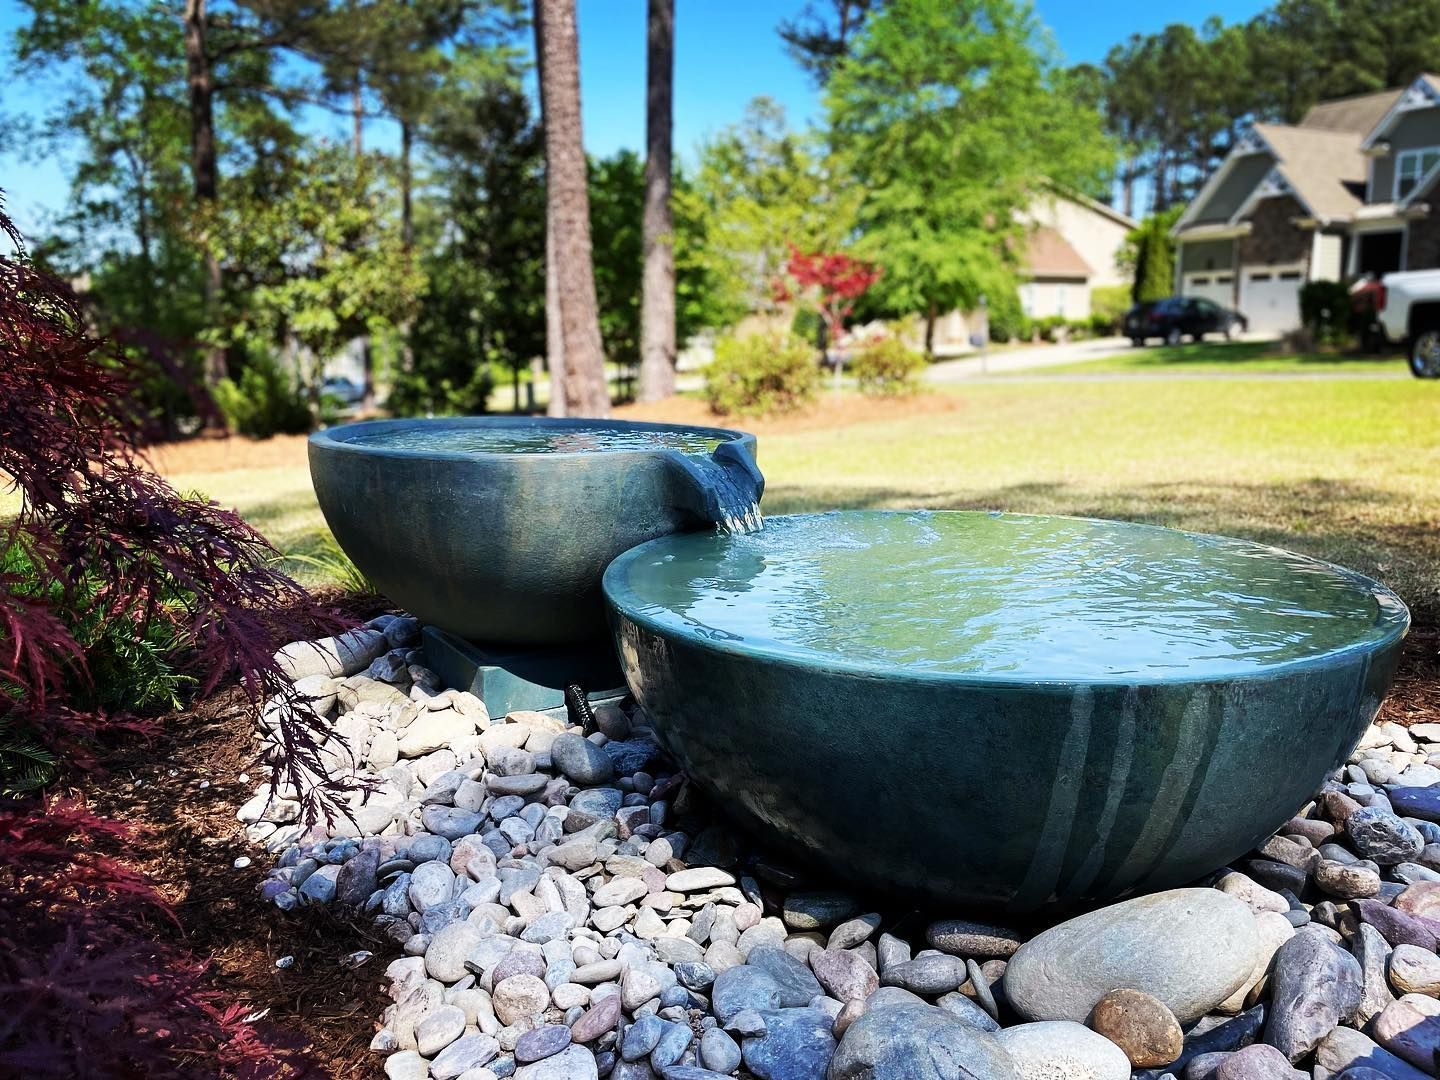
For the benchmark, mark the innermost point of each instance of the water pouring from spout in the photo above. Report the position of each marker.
(724, 487)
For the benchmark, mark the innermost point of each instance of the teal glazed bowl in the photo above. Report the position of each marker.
(498, 529)
(1008, 711)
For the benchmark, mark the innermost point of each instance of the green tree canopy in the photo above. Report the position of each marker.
(950, 121)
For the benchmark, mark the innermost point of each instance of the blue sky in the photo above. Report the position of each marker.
(727, 52)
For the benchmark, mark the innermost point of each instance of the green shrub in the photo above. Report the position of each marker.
(1108, 305)
(884, 367)
(421, 394)
(264, 402)
(1326, 311)
(806, 325)
(763, 373)
(1008, 321)
(1052, 327)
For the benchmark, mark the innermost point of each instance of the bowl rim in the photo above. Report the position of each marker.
(1392, 623)
(341, 437)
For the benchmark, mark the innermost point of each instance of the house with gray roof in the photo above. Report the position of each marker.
(1345, 192)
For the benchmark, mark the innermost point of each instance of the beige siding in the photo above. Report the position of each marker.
(1096, 236)
(1325, 257)
(1043, 299)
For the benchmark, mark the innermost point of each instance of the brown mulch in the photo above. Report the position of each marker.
(186, 839)
(1415, 697)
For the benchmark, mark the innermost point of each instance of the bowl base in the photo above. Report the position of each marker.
(522, 677)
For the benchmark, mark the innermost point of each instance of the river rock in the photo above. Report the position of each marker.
(1345, 1048)
(1316, 986)
(933, 974)
(1419, 802)
(572, 1063)
(336, 657)
(1141, 1026)
(1382, 837)
(468, 1052)
(449, 949)
(432, 731)
(918, 1042)
(719, 1052)
(601, 1017)
(1372, 953)
(1409, 1033)
(797, 1045)
(1258, 1062)
(818, 910)
(519, 997)
(1273, 930)
(1414, 971)
(1188, 948)
(541, 1042)
(1395, 926)
(744, 987)
(357, 878)
(1063, 1048)
(844, 974)
(974, 940)
(581, 760)
(439, 1028)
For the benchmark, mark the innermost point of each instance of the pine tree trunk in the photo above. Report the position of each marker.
(554, 331)
(200, 88)
(407, 232)
(568, 206)
(657, 283)
(930, 316)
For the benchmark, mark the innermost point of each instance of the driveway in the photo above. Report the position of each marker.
(1026, 357)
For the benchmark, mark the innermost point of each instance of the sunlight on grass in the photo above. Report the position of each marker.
(1345, 470)
(1233, 358)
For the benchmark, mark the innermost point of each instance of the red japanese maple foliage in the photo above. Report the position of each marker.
(835, 279)
(86, 989)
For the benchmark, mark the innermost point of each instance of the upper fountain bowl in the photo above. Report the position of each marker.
(1002, 710)
(499, 528)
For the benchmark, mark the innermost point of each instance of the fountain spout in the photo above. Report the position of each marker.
(723, 489)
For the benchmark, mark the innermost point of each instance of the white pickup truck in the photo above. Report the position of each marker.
(1408, 310)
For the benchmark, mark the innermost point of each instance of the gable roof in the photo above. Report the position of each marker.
(1422, 93)
(1048, 254)
(1324, 168)
(1357, 114)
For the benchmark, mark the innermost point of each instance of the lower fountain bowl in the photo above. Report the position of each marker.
(1004, 789)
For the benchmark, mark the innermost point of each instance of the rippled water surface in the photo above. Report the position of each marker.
(1029, 597)
(498, 439)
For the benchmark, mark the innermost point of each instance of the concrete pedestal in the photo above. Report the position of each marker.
(522, 678)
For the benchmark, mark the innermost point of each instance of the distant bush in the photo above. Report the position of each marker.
(1108, 305)
(763, 373)
(1008, 321)
(421, 394)
(884, 367)
(1327, 312)
(806, 325)
(264, 402)
(1052, 327)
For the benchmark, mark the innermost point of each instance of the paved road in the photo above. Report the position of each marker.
(1040, 359)
(1025, 358)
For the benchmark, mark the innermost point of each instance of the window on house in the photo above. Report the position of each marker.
(1412, 166)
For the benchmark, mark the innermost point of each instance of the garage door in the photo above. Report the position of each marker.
(1270, 299)
(1217, 288)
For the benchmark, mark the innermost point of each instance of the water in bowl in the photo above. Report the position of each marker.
(499, 439)
(1008, 596)
(738, 509)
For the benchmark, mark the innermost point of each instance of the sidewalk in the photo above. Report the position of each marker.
(1024, 358)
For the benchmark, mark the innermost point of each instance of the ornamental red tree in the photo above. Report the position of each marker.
(833, 282)
(85, 989)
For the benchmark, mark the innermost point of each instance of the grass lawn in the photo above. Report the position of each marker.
(1232, 358)
(1348, 470)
